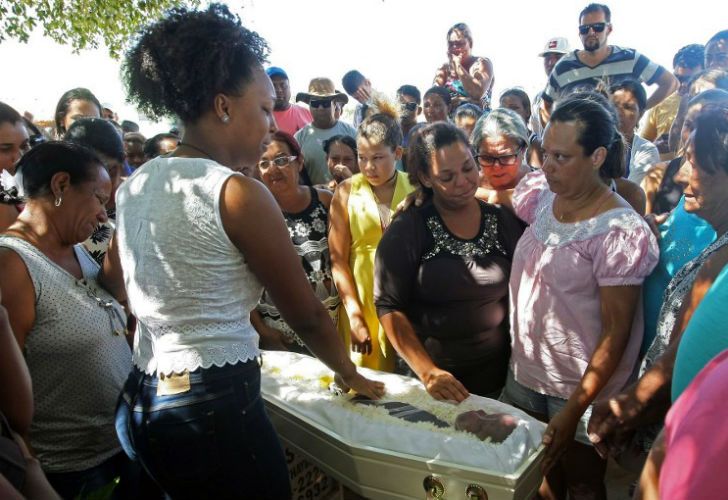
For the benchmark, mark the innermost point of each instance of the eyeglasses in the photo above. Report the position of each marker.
(280, 162)
(597, 27)
(504, 161)
(320, 103)
(409, 106)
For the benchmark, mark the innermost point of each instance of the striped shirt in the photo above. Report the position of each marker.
(571, 75)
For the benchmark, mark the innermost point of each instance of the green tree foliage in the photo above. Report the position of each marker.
(81, 23)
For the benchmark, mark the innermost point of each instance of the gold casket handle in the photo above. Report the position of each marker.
(434, 488)
(476, 492)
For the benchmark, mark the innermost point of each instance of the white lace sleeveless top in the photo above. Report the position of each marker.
(188, 285)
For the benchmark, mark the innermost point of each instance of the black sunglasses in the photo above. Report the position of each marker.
(597, 27)
(409, 106)
(320, 103)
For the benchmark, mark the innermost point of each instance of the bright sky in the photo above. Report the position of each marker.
(392, 42)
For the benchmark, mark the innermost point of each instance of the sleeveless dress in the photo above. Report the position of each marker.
(365, 225)
(78, 360)
(308, 230)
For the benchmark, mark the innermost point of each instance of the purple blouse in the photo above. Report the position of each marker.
(557, 271)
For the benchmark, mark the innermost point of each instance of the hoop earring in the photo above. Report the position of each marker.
(225, 118)
(58, 201)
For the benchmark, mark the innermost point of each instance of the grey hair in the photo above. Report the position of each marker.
(500, 121)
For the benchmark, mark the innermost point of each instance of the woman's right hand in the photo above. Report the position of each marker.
(361, 340)
(340, 172)
(443, 385)
(361, 385)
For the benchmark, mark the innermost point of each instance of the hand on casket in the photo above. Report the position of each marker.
(360, 384)
(496, 426)
(443, 385)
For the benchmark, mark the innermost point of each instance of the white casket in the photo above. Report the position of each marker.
(381, 456)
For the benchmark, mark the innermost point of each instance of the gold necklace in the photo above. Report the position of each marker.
(600, 200)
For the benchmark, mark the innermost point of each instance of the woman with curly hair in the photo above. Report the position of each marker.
(197, 243)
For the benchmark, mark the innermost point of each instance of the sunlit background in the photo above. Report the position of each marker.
(392, 42)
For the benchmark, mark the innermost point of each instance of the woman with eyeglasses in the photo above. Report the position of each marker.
(442, 269)
(306, 211)
(467, 78)
(500, 140)
(577, 273)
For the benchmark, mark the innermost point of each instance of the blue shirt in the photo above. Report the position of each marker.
(682, 237)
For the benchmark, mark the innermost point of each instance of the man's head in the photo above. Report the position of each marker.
(687, 62)
(107, 112)
(134, 149)
(357, 86)
(281, 86)
(129, 126)
(321, 99)
(410, 101)
(716, 51)
(554, 50)
(595, 25)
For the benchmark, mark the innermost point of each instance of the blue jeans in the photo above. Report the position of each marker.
(531, 401)
(212, 441)
(81, 484)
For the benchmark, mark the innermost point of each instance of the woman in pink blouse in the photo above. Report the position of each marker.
(575, 286)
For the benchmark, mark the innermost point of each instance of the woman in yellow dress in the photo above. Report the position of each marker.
(360, 212)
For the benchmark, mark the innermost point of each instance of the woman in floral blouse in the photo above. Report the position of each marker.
(306, 211)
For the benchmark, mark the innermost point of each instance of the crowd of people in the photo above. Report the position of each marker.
(565, 254)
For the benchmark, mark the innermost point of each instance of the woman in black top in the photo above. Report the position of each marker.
(442, 270)
(306, 211)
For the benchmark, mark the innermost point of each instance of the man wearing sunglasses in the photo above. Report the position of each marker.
(601, 63)
(410, 100)
(321, 99)
(687, 62)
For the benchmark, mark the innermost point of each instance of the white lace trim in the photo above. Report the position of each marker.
(176, 348)
(549, 231)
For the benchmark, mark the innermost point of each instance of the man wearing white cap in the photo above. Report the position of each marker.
(554, 50)
(603, 64)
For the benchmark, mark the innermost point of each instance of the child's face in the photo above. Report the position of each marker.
(377, 161)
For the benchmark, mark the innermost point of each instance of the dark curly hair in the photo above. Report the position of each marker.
(177, 65)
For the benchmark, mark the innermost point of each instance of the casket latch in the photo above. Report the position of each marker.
(433, 487)
(475, 492)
